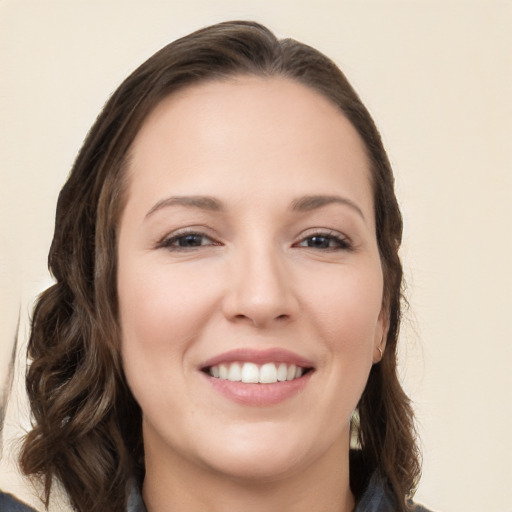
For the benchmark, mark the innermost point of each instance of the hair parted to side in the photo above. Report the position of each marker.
(87, 425)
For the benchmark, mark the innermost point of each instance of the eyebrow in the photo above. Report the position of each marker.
(307, 203)
(201, 202)
(301, 204)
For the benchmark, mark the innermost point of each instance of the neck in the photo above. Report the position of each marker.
(175, 484)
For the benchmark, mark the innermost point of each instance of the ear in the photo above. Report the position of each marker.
(381, 335)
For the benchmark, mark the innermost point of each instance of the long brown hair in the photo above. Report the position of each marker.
(87, 425)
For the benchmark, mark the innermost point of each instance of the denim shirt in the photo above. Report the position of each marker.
(376, 498)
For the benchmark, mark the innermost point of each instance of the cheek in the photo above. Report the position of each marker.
(161, 306)
(158, 321)
(347, 304)
(163, 312)
(346, 312)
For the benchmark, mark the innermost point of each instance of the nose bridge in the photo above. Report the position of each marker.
(260, 288)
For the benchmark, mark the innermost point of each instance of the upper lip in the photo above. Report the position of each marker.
(272, 355)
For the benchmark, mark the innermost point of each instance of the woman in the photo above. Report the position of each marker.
(224, 321)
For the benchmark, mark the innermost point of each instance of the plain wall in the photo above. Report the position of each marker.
(437, 77)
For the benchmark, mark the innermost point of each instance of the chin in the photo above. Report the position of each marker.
(259, 454)
(267, 465)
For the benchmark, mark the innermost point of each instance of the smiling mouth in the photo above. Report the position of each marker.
(252, 373)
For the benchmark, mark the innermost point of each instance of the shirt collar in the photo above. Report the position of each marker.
(376, 498)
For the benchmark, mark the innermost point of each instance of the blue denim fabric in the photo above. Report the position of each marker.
(135, 503)
(376, 498)
(9, 503)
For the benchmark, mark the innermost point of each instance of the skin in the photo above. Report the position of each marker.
(255, 278)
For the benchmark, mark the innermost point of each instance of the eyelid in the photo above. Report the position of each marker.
(345, 243)
(166, 241)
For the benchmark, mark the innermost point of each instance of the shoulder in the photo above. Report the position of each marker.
(378, 497)
(420, 508)
(372, 490)
(9, 503)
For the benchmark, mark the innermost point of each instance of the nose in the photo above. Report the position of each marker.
(260, 289)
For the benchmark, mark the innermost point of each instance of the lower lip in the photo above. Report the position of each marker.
(258, 394)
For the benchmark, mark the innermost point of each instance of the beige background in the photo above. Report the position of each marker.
(437, 76)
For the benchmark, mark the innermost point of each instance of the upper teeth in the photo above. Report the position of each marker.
(267, 373)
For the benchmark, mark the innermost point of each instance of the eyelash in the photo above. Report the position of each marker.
(167, 243)
(340, 243)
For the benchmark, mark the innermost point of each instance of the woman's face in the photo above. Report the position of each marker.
(247, 249)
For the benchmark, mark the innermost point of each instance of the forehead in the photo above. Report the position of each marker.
(247, 131)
